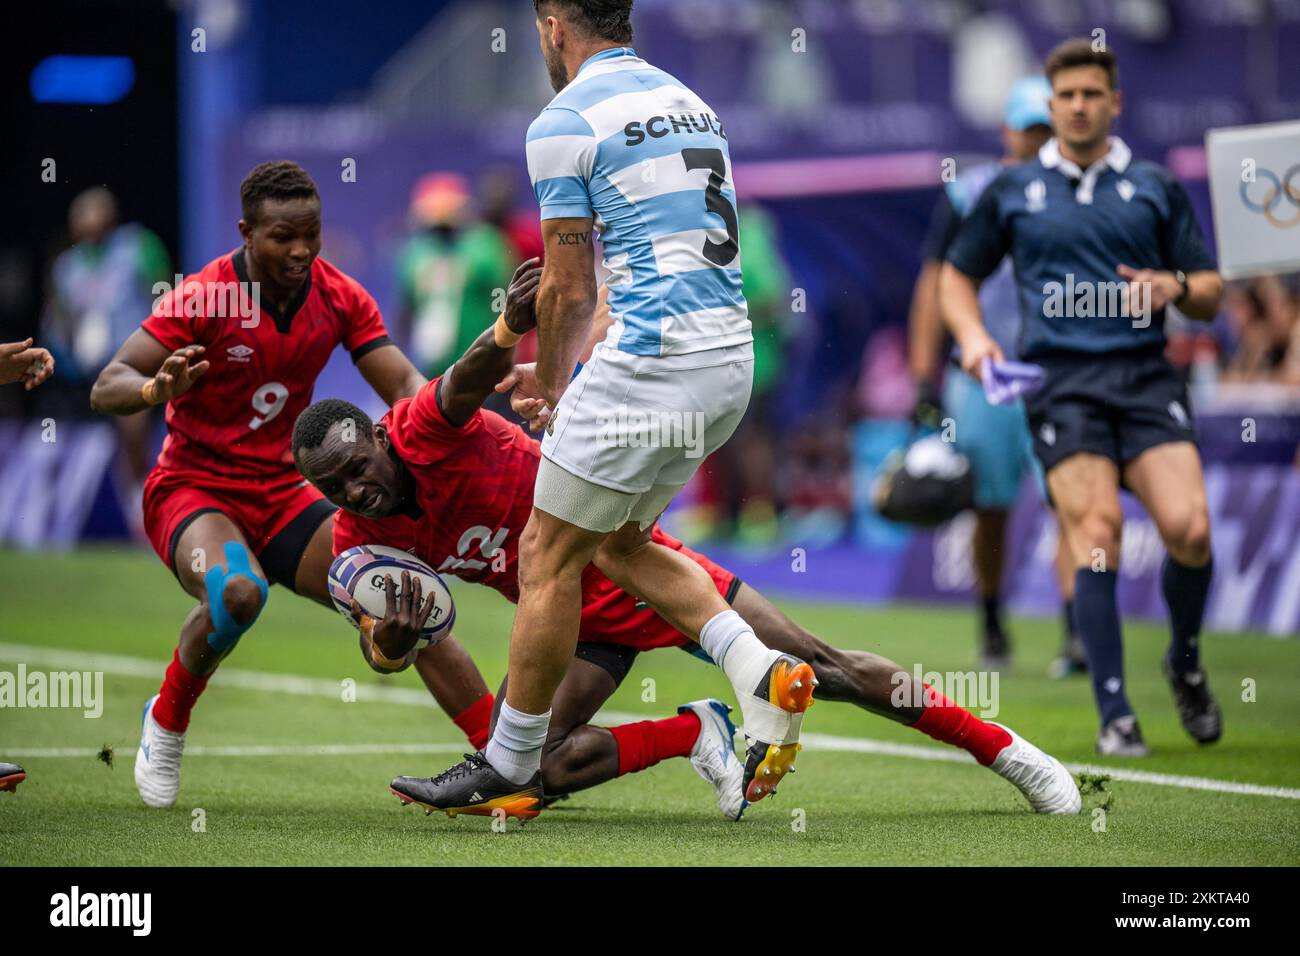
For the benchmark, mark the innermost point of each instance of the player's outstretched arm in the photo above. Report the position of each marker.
(959, 305)
(20, 362)
(144, 373)
(566, 302)
(476, 373)
(521, 382)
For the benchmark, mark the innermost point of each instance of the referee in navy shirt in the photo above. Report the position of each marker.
(1101, 243)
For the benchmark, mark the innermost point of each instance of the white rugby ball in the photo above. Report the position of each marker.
(359, 573)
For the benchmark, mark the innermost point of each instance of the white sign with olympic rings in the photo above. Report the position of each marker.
(1255, 191)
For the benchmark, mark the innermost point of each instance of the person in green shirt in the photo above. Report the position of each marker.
(746, 465)
(101, 289)
(451, 272)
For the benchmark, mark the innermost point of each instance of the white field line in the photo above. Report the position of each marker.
(304, 750)
(63, 659)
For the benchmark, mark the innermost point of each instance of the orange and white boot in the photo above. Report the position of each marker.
(772, 702)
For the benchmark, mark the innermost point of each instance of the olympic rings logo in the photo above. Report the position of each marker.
(1280, 189)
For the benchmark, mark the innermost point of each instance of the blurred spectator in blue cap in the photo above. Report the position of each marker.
(1027, 104)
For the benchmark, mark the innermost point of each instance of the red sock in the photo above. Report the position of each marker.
(476, 721)
(644, 744)
(180, 690)
(945, 721)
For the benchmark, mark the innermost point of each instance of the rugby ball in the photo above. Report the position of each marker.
(359, 573)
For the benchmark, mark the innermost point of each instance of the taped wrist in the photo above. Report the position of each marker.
(501, 332)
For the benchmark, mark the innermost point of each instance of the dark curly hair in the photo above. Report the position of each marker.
(602, 19)
(314, 423)
(279, 179)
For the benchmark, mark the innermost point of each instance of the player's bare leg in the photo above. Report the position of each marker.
(1072, 659)
(579, 755)
(1167, 479)
(1085, 488)
(989, 548)
(210, 544)
(552, 557)
(454, 680)
(213, 563)
(774, 688)
(882, 687)
(506, 775)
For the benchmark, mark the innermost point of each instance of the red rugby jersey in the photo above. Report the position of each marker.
(474, 493)
(237, 420)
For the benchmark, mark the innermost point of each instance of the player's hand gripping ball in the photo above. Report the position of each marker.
(359, 573)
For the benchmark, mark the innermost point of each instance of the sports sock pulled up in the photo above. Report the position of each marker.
(179, 693)
(1096, 618)
(515, 750)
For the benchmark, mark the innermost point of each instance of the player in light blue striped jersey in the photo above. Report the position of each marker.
(627, 153)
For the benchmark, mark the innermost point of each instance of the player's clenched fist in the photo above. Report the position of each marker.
(1148, 290)
(20, 362)
(975, 348)
(521, 294)
(176, 376)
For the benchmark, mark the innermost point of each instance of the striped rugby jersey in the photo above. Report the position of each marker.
(631, 147)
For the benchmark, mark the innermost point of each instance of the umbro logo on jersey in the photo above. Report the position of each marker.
(239, 353)
(1048, 433)
(1125, 189)
(1036, 195)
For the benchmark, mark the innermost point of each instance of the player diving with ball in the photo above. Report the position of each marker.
(452, 482)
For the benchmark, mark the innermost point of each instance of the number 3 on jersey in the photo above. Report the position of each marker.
(268, 401)
(719, 253)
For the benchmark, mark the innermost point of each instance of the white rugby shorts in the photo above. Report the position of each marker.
(631, 430)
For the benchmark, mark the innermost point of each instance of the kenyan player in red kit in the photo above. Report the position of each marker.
(234, 354)
(453, 483)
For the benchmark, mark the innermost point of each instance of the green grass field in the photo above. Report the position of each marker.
(297, 805)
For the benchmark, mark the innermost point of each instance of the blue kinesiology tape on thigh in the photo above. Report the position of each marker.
(227, 631)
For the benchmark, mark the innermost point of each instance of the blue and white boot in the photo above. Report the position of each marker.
(714, 755)
(158, 761)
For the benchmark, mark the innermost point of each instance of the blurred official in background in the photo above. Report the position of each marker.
(1101, 245)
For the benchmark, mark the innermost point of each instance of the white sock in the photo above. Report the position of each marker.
(745, 660)
(733, 645)
(515, 750)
